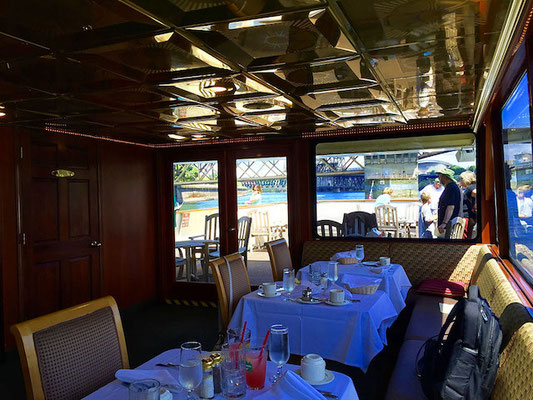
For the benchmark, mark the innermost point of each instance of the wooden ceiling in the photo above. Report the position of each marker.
(141, 70)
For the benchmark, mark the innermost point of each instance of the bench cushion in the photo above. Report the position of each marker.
(427, 318)
(452, 262)
(404, 383)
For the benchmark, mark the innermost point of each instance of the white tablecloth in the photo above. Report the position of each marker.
(394, 280)
(341, 386)
(352, 334)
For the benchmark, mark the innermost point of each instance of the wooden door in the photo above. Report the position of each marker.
(59, 235)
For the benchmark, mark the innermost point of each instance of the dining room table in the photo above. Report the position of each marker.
(342, 385)
(394, 280)
(352, 334)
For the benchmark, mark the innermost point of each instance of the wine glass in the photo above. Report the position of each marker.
(288, 282)
(333, 271)
(359, 252)
(190, 367)
(278, 348)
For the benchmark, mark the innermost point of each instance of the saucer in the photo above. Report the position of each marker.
(312, 301)
(328, 377)
(165, 394)
(264, 295)
(338, 304)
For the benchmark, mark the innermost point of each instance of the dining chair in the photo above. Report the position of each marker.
(244, 224)
(455, 228)
(261, 230)
(387, 219)
(354, 225)
(280, 257)
(70, 353)
(211, 231)
(329, 228)
(232, 282)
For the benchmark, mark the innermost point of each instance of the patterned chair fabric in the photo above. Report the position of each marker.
(453, 262)
(78, 356)
(492, 280)
(234, 284)
(514, 381)
(321, 250)
(280, 257)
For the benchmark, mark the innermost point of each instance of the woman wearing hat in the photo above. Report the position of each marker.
(450, 200)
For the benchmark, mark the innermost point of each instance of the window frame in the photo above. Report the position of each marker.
(514, 267)
(480, 182)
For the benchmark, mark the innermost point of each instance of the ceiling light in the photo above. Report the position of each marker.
(220, 86)
(2, 114)
(197, 136)
(164, 37)
(177, 137)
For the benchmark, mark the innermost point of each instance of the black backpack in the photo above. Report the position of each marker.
(463, 363)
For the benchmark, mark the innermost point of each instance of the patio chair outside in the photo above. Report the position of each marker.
(354, 224)
(329, 228)
(260, 229)
(243, 236)
(71, 353)
(387, 219)
(455, 228)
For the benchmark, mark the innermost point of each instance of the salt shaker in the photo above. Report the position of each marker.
(216, 358)
(207, 389)
(324, 280)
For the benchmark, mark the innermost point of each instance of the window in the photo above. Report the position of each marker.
(390, 187)
(518, 175)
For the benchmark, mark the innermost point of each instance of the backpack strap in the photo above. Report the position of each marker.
(459, 307)
(471, 323)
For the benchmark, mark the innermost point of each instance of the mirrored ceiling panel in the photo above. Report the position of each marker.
(194, 12)
(275, 40)
(220, 88)
(62, 25)
(258, 106)
(342, 97)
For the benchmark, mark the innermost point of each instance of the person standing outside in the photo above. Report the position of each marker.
(385, 198)
(426, 218)
(468, 184)
(434, 190)
(256, 196)
(450, 201)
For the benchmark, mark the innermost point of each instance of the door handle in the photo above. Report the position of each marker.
(231, 229)
(95, 243)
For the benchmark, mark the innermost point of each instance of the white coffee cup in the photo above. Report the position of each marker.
(313, 368)
(268, 288)
(384, 261)
(336, 296)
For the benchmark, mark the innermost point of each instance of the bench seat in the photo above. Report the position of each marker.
(514, 379)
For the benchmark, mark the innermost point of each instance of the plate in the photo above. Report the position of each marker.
(371, 263)
(165, 394)
(312, 301)
(264, 295)
(328, 377)
(338, 304)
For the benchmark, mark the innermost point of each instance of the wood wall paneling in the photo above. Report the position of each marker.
(128, 222)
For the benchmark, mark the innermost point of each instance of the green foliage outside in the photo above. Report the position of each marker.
(189, 175)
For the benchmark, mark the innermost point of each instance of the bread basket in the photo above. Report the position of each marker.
(368, 289)
(348, 260)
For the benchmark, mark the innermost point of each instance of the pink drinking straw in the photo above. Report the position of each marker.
(243, 330)
(264, 344)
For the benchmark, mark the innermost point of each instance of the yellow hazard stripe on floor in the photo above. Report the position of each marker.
(192, 303)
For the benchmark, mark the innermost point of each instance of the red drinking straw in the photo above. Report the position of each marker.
(264, 344)
(243, 330)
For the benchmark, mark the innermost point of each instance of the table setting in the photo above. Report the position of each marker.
(240, 370)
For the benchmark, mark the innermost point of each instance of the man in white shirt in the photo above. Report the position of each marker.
(434, 190)
(525, 204)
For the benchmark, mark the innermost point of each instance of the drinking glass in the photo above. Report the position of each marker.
(314, 273)
(145, 389)
(256, 358)
(233, 371)
(234, 336)
(333, 271)
(190, 371)
(278, 348)
(288, 282)
(360, 252)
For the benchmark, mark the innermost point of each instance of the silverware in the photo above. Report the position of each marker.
(167, 365)
(327, 394)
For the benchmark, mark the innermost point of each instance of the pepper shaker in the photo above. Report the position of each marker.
(216, 358)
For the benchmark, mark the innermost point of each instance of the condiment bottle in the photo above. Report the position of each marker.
(216, 358)
(207, 389)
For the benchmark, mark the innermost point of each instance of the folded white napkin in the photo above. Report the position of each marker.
(343, 254)
(291, 387)
(164, 377)
(358, 280)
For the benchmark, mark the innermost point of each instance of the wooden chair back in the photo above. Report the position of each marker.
(387, 218)
(260, 223)
(455, 228)
(211, 229)
(244, 225)
(329, 228)
(232, 281)
(71, 353)
(280, 257)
